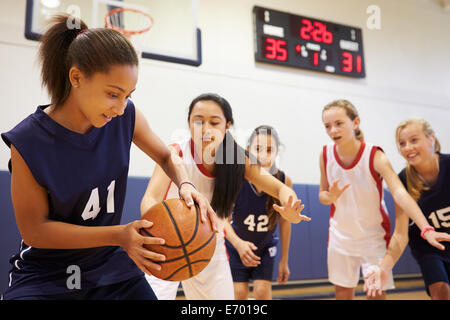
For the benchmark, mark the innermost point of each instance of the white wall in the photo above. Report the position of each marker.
(407, 67)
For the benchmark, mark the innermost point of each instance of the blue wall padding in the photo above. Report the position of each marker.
(308, 248)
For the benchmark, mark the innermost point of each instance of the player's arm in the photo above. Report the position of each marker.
(404, 201)
(323, 188)
(153, 146)
(397, 245)
(172, 165)
(31, 209)
(157, 187)
(398, 242)
(285, 234)
(263, 180)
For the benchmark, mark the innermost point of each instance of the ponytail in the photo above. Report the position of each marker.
(230, 171)
(53, 53)
(90, 50)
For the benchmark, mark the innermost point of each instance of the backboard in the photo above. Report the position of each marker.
(173, 37)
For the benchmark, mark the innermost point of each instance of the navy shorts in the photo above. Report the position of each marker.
(434, 267)
(136, 288)
(241, 273)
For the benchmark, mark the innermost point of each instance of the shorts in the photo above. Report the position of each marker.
(344, 270)
(434, 267)
(264, 271)
(136, 288)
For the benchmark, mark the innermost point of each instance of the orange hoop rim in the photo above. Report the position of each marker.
(125, 32)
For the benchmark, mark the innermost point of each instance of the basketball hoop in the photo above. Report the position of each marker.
(113, 21)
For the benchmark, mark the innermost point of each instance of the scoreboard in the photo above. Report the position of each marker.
(303, 42)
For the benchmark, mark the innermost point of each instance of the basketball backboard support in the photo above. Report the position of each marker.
(173, 37)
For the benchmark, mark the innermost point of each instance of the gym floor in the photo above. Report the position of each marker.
(406, 288)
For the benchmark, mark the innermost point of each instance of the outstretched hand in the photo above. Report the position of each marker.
(335, 191)
(434, 238)
(291, 211)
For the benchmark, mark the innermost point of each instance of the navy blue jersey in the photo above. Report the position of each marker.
(250, 220)
(85, 176)
(435, 205)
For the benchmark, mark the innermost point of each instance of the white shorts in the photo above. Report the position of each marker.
(344, 270)
(213, 283)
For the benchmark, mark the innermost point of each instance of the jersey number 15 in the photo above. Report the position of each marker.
(440, 218)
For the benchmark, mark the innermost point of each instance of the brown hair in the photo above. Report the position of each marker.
(273, 215)
(91, 50)
(351, 112)
(414, 184)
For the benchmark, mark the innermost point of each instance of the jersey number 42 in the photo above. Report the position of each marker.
(261, 225)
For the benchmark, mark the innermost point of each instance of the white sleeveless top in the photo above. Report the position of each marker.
(198, 175)
(359, 222)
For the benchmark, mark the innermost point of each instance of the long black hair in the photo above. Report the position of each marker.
(91, 50)
(229, 161)
(273, 215)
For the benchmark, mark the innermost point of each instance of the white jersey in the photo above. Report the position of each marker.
(215, 281)
(359, 223)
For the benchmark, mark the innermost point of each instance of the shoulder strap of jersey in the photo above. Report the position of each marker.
(178, 149)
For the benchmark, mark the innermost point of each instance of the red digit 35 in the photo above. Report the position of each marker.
(276, 49)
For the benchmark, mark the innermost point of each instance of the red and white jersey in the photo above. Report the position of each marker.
(198, 175)
(202, 179)
(359, 222)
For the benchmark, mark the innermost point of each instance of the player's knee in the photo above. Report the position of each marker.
(439, 291)
(262, 292)
(241, 292)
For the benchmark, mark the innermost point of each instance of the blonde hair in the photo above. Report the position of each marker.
(414, 183)
(350, 111)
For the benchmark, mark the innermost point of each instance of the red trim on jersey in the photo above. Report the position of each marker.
(325, 160)
(332, 211)
(357, 158)
(198, 162)
(167, 191)
(386, 224)
(226, 251)
(178, 148)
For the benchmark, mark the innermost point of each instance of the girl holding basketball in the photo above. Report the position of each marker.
(352, 172)
(217, 166)
(250, 239)
(427, 179)
(69, 166)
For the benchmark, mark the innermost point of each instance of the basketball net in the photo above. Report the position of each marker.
(132, 23)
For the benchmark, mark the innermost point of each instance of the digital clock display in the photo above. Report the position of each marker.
(302, 42)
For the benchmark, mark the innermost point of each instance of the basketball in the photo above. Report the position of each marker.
(189, 245)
